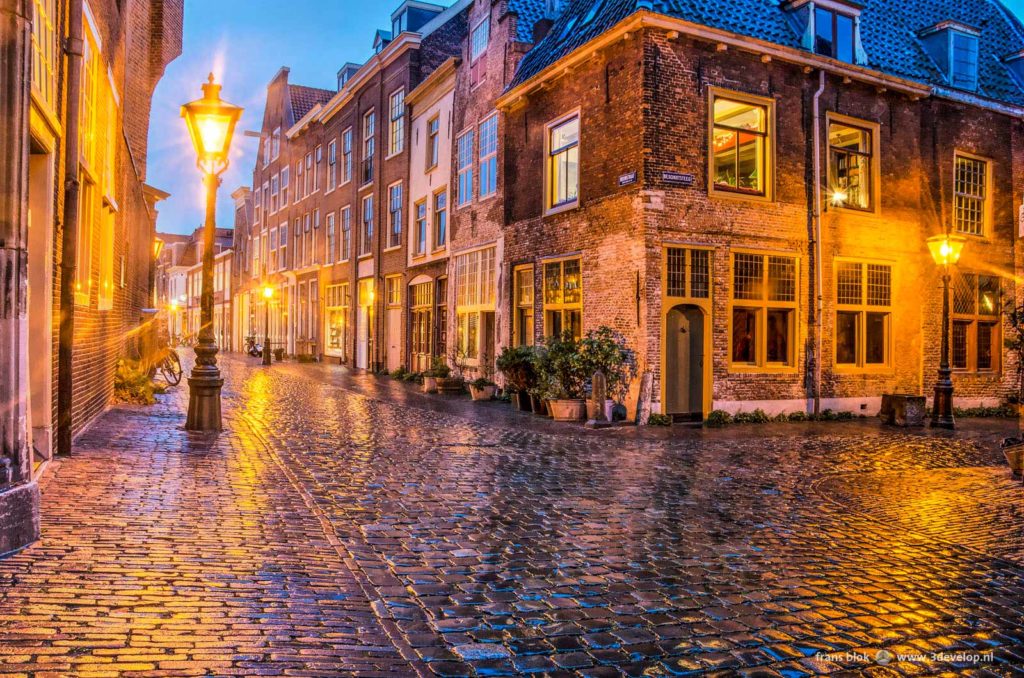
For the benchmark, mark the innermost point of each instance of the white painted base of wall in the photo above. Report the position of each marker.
(868, 406)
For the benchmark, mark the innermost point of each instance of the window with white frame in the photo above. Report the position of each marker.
(395, 215)
(272, 263)
(308, 190)
(297, 253)
(464, 153)
(318, 158)
(300, 180)
(563, 162)
(282, 249)
(307, 239)
(345, 216)
(419, 245)
(369, 124)
(266, 199)
(396, 120)
(440, 219)
(433, 142)
(314, 237)
(256, 255)
(331, 239)
(284, 187)
(256, 206)
(863, 314)
(332, 165)
(276, 146)
(478, 39)
(266, 151)
(336, 306)
(346, 156)
(489, 156)
(474, 295)
(970, 194)
(366, 232)
(275, 192)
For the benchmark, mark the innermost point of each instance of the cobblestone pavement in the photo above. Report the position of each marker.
(346, 524)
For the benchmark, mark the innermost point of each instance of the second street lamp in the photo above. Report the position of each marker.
(268, 294)
(211, 122)
(945, 251)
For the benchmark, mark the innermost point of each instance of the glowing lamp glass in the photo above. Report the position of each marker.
(211, 123)
(946, 249)
(268, 292)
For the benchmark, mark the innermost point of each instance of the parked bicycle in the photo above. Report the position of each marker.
(253, 347)
(169, 367)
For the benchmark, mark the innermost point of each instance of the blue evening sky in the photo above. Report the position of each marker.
(245, 42)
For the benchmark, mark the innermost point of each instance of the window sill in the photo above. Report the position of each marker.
(488, 197)
(395, 154)
(365, 256)
(762, 369)
(392, 248)
(854, 370)
(567, 207)
(443, 249)
(740, 196)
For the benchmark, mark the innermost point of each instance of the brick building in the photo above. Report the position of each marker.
(78, 221)
(745, 194)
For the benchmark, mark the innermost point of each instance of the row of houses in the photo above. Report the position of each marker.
(743, 190)
(77, 221)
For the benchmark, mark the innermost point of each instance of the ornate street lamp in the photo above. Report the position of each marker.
(945, 250)
(211, 122)
(268, 294)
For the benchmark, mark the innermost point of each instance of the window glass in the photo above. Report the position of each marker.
(563, 159)
(965, 60)
(970, 195)
(850, 170)
(739, 142)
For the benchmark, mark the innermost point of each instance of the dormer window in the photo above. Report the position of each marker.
(953, 47)
(398, 24)
(964, 71)
(834, 34)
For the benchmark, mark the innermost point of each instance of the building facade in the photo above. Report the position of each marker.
(78, 220)
(744, 197)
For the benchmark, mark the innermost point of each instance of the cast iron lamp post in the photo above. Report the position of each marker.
(268, 294)
(211, 122)
(945, 250)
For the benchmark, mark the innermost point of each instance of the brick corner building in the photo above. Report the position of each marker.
(77, 220)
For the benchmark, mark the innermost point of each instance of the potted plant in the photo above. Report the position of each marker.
(447, 381)
(604, 350)
(482, 388)
(438, 369)
(568, 371)
(278, 354)
(518, 364)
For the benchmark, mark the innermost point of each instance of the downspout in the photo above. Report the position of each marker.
(73, 47)
(816, 225)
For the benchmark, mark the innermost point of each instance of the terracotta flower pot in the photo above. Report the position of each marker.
(571, 409)
(482, 392)
(430, 384)
(538, 405)
(450, 385)
(1013, 450)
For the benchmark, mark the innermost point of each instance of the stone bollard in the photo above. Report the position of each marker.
(598, 396)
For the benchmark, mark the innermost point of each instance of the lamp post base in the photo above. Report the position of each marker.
(204, 402)
(942, 407)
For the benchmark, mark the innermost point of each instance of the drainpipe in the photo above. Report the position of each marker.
(816, 225)
(73, 47)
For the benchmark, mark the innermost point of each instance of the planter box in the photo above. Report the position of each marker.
(568, 410)
(521, 401)
(482, 393)
(902, 409)
(430, 384)
(451, 385)
(609, 406)
(1013, 450)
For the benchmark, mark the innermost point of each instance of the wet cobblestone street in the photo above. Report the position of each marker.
(346, 524)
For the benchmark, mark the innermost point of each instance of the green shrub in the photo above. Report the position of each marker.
(566, 366)
(481, 382)
(781, 417)
(797, 416)
(718, 419)
(401, 373)
(659, 420)
(986, 412)
(605, 350)
(133, 385)
(518, 364)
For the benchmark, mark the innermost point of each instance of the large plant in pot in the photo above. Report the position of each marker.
(438, 370)
(518, 365)
(604, 350)
(567, 370)
(453, 381)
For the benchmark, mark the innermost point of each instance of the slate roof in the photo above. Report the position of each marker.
(528, 12)
(303, 99)
(889, 34)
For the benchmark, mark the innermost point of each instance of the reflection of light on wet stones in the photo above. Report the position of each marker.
(481, 651)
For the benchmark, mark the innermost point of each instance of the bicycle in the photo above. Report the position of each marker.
(169, 367)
